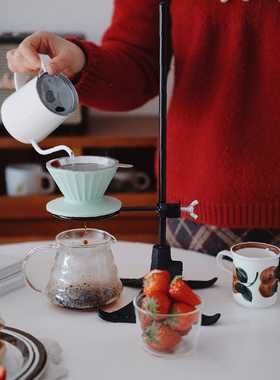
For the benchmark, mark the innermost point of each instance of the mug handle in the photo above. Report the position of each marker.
(142, 181)
(31, 253)
(220, 260)
(19, 78)
(51, 187)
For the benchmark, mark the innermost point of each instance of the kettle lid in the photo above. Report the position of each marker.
(57, 93)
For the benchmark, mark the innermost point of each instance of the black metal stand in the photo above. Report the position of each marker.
(161, 254)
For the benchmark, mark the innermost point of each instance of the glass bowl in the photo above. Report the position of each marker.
(160, 336)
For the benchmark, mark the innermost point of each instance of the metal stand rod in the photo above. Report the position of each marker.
(162, 119)
(161, 255)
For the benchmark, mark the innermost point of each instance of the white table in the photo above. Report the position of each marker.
(243, 344)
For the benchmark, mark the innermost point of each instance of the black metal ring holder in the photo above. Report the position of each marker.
(161, 254)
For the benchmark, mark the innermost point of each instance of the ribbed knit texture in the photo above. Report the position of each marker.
(223, 121)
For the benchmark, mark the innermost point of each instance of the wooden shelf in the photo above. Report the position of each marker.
(128, 132)
(34, 206)
(26, 218)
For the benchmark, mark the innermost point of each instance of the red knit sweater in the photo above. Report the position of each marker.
(223, 140)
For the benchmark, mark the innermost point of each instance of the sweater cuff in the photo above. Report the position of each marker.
(91, 57)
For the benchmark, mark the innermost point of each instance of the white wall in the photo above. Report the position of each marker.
(90, 17)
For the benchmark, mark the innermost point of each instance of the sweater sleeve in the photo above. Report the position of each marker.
(123, 72)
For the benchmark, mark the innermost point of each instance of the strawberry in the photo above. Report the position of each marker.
(180, 291)
(2, 372)
(158, 303)
(184, 332)
(145, 319)
(159, 336)
(156, 281)
(179, 320)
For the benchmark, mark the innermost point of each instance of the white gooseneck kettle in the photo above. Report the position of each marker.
(39, 106)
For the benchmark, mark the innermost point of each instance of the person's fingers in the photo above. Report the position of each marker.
(26, 57)
(65, 56)
(18, 63)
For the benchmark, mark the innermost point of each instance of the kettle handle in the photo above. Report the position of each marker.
(31, 253)
(19, 78)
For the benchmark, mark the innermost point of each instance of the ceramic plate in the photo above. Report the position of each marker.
(26, 358)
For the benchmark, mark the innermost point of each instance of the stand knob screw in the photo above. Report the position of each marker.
(190, 209)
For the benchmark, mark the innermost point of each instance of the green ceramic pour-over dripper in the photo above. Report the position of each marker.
(83, 181)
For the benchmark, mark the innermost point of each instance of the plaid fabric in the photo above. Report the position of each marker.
(184, 233)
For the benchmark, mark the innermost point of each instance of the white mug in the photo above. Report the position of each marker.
(27, 179)
(131, 180)
(255, 271)
(39, 106)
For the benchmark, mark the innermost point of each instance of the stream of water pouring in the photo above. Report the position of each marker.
(72, 160)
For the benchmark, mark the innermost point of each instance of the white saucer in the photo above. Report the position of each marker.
(105, 206)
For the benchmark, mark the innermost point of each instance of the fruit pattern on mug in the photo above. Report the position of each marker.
(240, 283)
(269, 281)
(167, 304)
(269, 278)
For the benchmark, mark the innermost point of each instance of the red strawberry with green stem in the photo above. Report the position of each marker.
(159, 336)
(179, 318)
(156, 281)
(146, 319)
(180, 291)
(158, 303)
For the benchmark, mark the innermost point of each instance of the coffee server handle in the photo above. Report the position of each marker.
(20, 78)
(29, 255)
(220, 259)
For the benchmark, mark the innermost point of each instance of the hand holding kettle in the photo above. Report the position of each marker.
(65, 56)
(39, 106)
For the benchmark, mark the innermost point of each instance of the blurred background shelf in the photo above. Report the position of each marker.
(26, 219)
(129, 139)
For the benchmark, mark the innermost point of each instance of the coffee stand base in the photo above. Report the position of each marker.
(161, 259)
